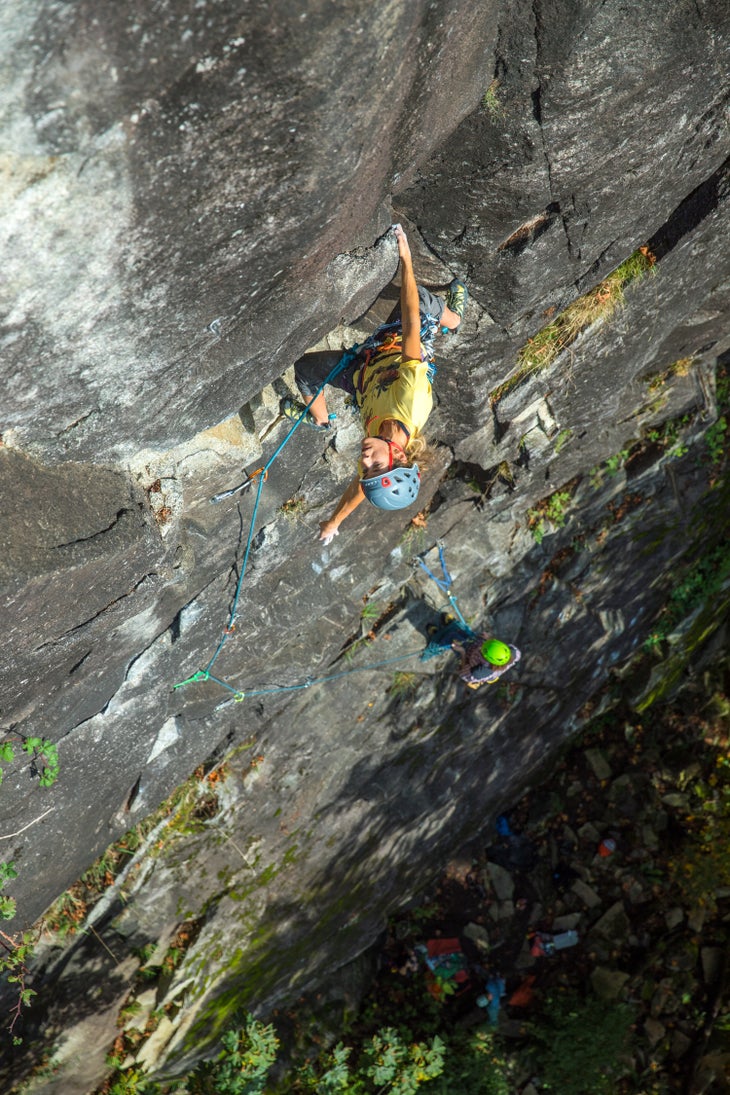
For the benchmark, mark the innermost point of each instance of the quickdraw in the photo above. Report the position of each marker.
(247, 482)
(445, 583)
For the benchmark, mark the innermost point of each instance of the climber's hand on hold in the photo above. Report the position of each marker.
(404, 249)
(327, 532)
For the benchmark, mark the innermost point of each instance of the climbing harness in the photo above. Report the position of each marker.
(445, 583)
(388, 339)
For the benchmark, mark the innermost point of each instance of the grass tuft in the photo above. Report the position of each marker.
(491, 103)
(597, 306)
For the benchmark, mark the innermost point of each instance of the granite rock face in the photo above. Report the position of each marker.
(178, 186)
(194, 196)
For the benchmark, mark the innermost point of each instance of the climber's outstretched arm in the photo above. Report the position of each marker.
(409, 305)
(349, 502)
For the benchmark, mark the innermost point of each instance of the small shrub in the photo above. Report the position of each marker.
(242, 1066)
(400, 1068)
(15, 952)
(473, 1066)
(704, 863)
(549, 511)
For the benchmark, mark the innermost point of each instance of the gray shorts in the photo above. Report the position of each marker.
(311, 370)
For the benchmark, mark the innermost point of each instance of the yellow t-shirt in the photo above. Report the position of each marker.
(388, 387)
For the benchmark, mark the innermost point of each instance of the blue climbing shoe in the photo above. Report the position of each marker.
(292, 408)
(457, 295)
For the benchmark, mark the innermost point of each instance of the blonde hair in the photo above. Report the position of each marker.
(420, 452)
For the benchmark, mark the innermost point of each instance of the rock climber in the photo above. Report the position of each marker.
(389, 377)
(484, 659)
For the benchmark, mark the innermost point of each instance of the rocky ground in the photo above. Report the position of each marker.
(652, 917)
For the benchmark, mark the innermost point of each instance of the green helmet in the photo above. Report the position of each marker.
(495, 652)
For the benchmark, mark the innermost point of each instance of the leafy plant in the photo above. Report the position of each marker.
(7, 754)
(473, 1066)
(43, 758)
(134, 1082)
(667, 435)
(15, 951)
(610, 467)
(550, 511)
(243, 1064)
(7, 904)
(704, 864)
(329, 1076)
(41, 750)
(398, 1068)
(615, 463)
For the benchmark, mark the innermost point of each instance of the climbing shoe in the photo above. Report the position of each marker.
(457, 295)
(292, 408)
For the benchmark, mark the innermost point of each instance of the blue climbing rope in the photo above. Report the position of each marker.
(445, 583)
(243, 693)
(343, 362)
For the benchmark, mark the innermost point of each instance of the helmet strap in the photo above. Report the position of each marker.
(391, 445)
